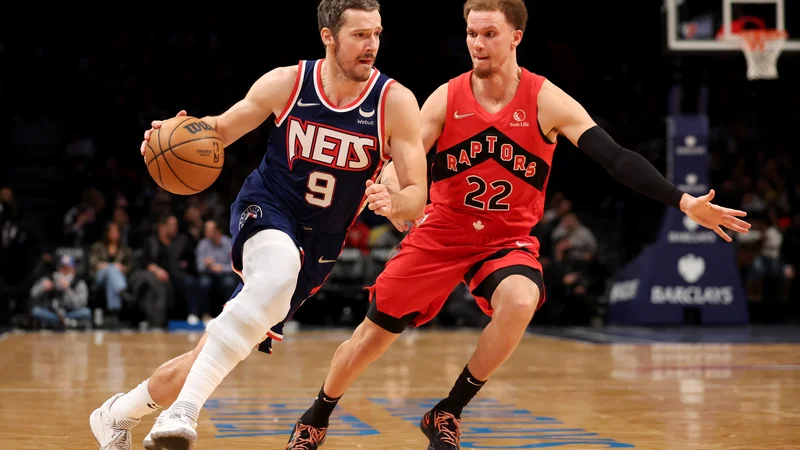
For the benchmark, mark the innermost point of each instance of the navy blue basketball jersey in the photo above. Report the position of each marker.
(320, 156)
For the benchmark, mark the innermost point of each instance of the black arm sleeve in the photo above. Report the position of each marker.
(628, 168)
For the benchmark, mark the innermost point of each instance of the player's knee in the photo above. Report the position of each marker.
(270, 253)
(269, 295)
(516, 296)
(271, 264)
(370, 341)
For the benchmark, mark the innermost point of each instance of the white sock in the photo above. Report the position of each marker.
(135, 404)
(213, 364)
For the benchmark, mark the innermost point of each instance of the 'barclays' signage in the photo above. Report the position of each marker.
(688, 265)
(691, 269)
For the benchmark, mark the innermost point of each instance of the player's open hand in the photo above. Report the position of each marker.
(714, 217)
(379, 198)
(155, 124)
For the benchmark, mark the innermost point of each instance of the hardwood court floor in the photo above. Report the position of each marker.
(551, 394)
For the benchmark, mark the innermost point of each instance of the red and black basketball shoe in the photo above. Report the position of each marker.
(442, 429)
(306, 437)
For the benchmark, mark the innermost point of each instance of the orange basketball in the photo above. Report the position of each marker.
(185, 155)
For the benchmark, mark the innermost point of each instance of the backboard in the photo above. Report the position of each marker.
(706, 25)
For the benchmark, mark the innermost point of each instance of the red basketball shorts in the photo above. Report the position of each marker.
(436, 256)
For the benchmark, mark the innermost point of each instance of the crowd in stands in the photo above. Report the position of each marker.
(115, 265)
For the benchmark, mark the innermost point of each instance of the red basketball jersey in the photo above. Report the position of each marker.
(491, 170)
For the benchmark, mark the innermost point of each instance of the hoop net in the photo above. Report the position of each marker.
(761, 48)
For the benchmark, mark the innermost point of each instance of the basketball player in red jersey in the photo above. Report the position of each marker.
(495, 129)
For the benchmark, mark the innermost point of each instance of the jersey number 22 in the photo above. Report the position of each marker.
(503, 190)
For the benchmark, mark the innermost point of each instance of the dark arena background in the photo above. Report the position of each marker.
(656, 334)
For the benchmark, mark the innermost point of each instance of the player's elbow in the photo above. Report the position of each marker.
(624, 164)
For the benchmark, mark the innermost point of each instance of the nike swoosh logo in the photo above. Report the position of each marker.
(523, 244)
(461, 116)
(300, 103)
(326, 261)
(473, 382)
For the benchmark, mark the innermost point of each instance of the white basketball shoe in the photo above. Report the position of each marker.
(173, 430)
(111, 433)
(148, 442)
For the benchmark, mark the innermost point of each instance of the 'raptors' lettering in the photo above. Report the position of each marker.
(519, 162)
(196, 127)
(492, 146)
(328, 146)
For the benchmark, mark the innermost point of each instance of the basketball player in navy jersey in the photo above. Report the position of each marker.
(334, 119)
(495, 131)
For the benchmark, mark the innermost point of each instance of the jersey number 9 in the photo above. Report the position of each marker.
(320, 186)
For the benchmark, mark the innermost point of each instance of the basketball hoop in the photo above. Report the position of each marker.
(761, 48)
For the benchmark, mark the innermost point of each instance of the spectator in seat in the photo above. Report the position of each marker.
(61, 299)
(574, 273)
(579, 239)
(790, 256)
(194, 225)
(165, 260)
(215, 273)
(767, 265)
(109, 262)
(759, 252)
(358, 237)
(558, 209)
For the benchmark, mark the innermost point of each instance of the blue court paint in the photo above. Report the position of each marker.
(489, 423)
(269, 416)
(174, 326)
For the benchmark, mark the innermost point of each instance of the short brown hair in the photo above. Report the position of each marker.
(515, 10)
(330, 13)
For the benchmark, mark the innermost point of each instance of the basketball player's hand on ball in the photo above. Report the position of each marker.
(153, 125)
(379, 198)
(714, 217)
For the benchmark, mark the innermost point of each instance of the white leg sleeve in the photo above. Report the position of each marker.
(271, 263)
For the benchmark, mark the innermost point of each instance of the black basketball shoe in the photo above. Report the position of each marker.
(442, 429)
(306, 437)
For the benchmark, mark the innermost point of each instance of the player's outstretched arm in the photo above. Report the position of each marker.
(409, 194)
(561, 113)
(266, 96)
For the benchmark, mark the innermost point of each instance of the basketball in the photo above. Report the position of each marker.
(185, 155)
